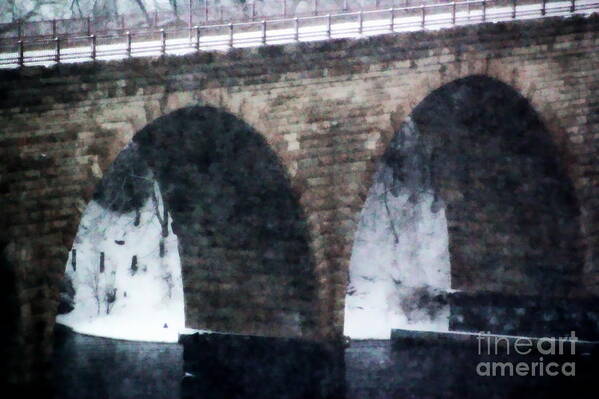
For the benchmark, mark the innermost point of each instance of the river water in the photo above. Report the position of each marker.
(92, 367)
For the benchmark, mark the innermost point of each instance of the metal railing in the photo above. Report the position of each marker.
(193, 15)
(181, 40)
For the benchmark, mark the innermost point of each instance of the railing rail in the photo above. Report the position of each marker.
(174, 39)
(203, 15)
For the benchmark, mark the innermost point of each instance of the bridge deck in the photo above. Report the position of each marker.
(222, 37)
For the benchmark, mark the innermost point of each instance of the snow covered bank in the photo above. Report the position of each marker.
(134, 293)
(400, 268)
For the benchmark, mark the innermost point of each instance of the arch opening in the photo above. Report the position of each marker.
(231, 252)
(123, 274)
(471, 215)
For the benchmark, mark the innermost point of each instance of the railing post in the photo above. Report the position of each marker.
(423, 9)
(484, 5)
(53, 28)
(296, 29)
(328, 26)
(513, 9)
(205, 10)
(230, 35)
(156, 19)
(89, 26)
(284, 8)
(197, 28)
(344, 5)
(21, 53)
(573, 6)
(392, 25)
(162, 42)
(264, 32)
(468, 7)
(544, 8)
(315, 11)
(128, 44)
(122, 22)
(93, 46)
(222, 16)
(57, 47)
(20, 29)
(361, 23)
(453, 13)
(189, 21)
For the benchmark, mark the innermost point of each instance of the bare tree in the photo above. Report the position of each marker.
(174, 7)
(109, 297)
(76, 8)
(19, 12)
(170, 285)
(144, 11)
(104, 8)
(110, 290)
(390, 216)
(162, 216)
(92, 280)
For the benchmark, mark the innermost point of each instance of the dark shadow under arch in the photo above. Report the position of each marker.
(480, 149)
(244, 244)
(512, 211)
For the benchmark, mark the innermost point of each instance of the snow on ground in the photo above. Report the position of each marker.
(375, 23)
(149, 301)
(386, 278)
(400, 266)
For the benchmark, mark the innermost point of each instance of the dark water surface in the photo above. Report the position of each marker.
(375, 370)
(91, 367)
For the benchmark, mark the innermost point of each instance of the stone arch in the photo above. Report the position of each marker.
(285, 301)
(515, 166)
(243, 239)
(481, 151)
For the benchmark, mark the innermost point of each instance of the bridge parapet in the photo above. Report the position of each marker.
(122, 41)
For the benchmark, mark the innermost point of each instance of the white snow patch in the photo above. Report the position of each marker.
(148, 307)
(389, 277)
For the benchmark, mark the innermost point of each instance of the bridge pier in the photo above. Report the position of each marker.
(242, 366)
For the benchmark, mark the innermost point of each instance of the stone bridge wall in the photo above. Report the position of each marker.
(327, 109)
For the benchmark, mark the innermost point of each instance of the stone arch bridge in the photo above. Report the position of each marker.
(319, 116)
